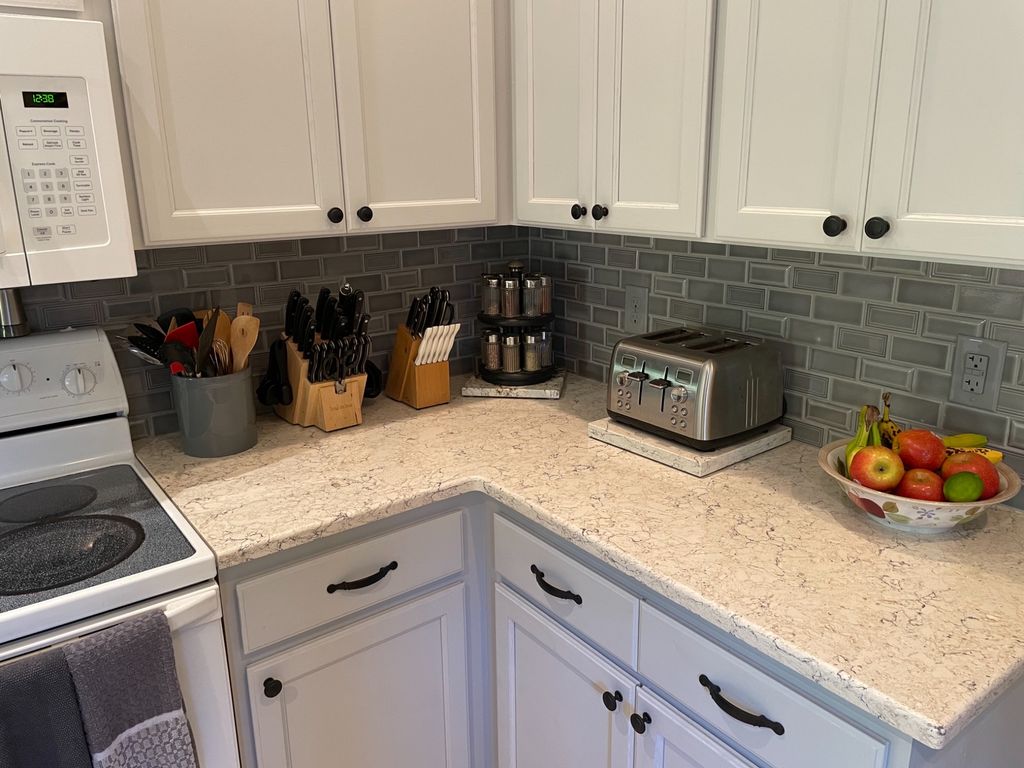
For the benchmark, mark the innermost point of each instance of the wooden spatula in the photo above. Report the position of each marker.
(223, 331)
(245, 331)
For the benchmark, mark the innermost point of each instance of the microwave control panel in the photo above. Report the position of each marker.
(52, 150)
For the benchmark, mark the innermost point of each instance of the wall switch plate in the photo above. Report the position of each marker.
(636, 309)
(977, 372)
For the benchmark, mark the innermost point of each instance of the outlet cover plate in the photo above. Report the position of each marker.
(977, 372)
(635, 320)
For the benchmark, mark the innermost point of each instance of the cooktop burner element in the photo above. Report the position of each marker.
(55, 553)
(50, 501)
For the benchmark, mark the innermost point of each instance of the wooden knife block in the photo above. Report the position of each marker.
(420, 386)
(329, 405)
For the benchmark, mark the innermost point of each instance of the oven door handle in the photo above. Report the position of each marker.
(197, 608)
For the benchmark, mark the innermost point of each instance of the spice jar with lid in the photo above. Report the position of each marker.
(510, 296)
(547, 354)
(510, 354)
(532, 352)
(531, 295)
(490, 350)
(545, 294)
(490, 294)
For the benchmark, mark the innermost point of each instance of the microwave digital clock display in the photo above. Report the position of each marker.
(45, 99)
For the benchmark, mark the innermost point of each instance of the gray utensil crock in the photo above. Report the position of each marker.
(216, 414)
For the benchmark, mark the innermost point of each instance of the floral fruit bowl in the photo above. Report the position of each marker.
(914, 515)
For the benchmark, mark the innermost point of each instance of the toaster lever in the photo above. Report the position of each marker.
(638, 376)
(659, 383)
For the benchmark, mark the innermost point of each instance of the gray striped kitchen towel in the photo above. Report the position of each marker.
(128, 693)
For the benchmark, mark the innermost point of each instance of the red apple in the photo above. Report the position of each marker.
(963, 461)
(922, 449)
(877, 467)
(920, 484)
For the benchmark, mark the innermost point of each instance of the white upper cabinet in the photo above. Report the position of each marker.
(554, 69)
(654, 86)
(947, 164)
(416, 93)
(246, 115)
(794, 104)
(611, 112)
(232, 115)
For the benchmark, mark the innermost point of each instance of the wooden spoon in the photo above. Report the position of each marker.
(245, 331)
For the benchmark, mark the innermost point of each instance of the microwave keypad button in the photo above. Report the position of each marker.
(63, 186)
(74, 130)
(53, 144)
(76, 144)
(79, 160)
(82, 186)
(42, 231)
(65, 199)
(49, 130)
(28, 173)
(46, 186)
(60, 173)
(51, 211)
(31, 186)
(67, 210)
(32, 200)
(86, 210)
(49, 200)
(25, 130)
(45, 173)
(66, 229)
(85, 197)
(81, 173)
(35, 213)
(28, 143)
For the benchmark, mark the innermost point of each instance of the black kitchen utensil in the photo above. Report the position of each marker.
(183, 315)
(290, 312)
(150, 332)
(206, 341)
(178, 358)
(144, 348)
(321, 305)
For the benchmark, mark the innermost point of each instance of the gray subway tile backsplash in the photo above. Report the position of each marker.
(850, 326)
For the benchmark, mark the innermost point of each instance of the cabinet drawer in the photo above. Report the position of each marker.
(600, 610)
(675, 658)
(294, 599)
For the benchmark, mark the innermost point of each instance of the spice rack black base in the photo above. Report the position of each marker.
(521, 379)
(521, 321)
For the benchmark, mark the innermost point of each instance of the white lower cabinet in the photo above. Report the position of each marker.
(558, 702)
(669, 739)
(388, 691)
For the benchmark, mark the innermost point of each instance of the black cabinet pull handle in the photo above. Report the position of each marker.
(365, 213)
(336, 215)
(876, 227)
(833, 226)
(578, 211)
(272, 687)
(639, 722)
(599, 212)
(363, 583)
(735, 712)
(563, 594)
(611, 700)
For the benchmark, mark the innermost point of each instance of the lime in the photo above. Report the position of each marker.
(962, 487)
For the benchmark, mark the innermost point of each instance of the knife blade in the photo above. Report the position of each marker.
(289, 312)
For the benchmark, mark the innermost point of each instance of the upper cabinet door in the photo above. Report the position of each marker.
(232, 116)
(554, 44)
(948, 158)
(416, 100)
(795, 102)
(653, 98)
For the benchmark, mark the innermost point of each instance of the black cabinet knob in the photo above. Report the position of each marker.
(599, 212)
(578, 211)
(833, 226)
(876, 227)
(611, 700)
(336, 215)
(365, 213)
(272, 687)
(639, 722)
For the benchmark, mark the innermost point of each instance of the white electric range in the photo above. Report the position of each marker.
(87, 537)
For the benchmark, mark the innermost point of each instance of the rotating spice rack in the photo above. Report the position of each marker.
(523, 304)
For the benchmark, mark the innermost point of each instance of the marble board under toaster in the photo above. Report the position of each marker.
(547, 390)
(678, 456)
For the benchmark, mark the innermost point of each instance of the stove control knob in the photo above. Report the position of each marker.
(79, 381)
(15, 377)
(678, 395)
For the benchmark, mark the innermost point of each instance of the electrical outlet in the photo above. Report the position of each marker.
(977, 372)
(636, 309)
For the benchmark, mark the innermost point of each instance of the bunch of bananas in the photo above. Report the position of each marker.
(875, 429)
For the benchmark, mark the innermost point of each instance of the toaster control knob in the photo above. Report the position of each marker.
(678, 395)
(623, 379)
(637, 376)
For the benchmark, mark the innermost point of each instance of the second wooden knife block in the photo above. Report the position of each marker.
(420, 386)
(329, 405)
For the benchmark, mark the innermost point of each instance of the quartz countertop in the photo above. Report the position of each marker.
(922, 632)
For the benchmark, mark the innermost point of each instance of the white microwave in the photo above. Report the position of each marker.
(63, 209)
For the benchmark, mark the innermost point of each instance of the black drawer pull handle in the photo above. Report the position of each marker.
(611, 700)
(640, 722)
(735, 712)
(363, 583)
(272, 687)
(562, 594)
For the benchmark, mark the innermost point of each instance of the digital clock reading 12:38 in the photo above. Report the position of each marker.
(45, 99)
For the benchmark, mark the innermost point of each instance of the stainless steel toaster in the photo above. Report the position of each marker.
(699, 386)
